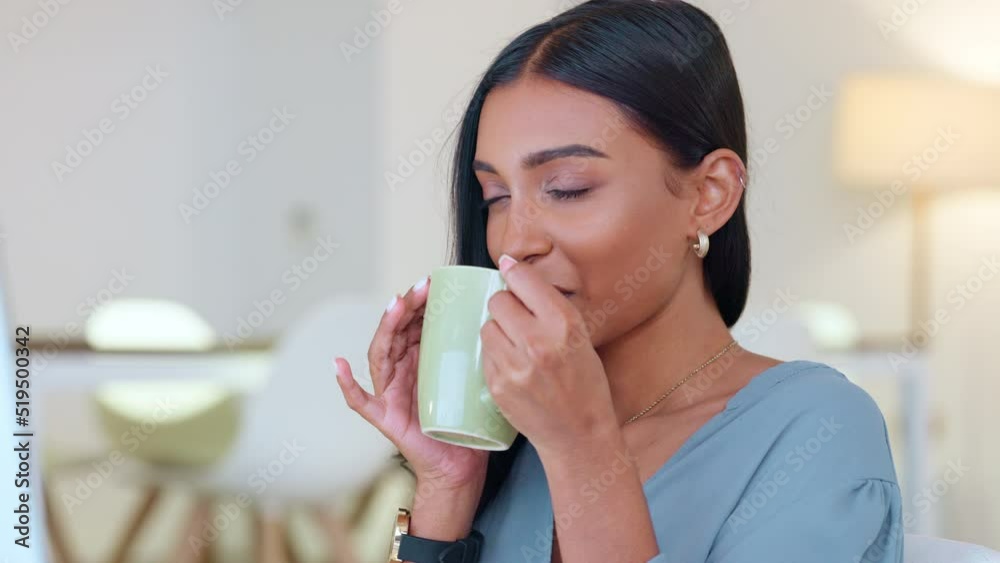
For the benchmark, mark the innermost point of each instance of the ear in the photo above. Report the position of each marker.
(719, 186)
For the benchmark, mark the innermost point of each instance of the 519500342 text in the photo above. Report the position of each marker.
(22, 435)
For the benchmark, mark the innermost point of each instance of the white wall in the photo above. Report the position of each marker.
(119, 210)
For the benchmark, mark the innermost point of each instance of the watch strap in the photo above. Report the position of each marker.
(422, 550)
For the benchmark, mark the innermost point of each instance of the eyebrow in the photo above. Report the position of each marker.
(541, 157)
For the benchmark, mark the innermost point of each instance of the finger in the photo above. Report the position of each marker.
(495, 375)
(497, 345)
(416, 297)
(413, 332)
(414, 301)
(489, 374)
(513, 318)
(538, 295)
(403, 339)
(388, 345)
(379, 362)
(411, 323)
(356, 397)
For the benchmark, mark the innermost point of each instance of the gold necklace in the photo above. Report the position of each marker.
(681, 382)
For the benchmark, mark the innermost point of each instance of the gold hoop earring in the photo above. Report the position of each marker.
(701, 247)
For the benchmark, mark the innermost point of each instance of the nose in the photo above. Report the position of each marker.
(525, 237)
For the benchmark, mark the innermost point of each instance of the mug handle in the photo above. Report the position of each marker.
(485, 397)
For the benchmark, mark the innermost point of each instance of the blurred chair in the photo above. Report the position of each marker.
(160, 421)
(924, 549)
(72, 434)
(188, 423)
(296, 443)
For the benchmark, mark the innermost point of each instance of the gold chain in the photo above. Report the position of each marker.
(682, 382)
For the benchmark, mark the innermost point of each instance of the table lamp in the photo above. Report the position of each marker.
(919, 135)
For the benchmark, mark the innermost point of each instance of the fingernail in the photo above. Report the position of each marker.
(506, 262)
(420, 284)
(392, 303)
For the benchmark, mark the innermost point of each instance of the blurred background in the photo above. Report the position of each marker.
(193, 191)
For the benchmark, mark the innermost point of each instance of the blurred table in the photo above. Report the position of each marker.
(66, 384)
(243, 371)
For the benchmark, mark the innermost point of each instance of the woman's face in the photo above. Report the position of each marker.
(585, 199)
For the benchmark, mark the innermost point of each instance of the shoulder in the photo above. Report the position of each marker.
(817, 468)
(800, 387)
(809, 410)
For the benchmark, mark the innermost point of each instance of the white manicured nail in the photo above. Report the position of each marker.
(420, 284)
(503, 260)
(392, 303)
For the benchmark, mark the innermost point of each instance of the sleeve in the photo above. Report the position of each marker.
(825, 491)
(858, 521)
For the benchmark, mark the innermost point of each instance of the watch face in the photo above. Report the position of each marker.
(402, 527)
(403, 521)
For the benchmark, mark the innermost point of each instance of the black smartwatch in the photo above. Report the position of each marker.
(421, 550)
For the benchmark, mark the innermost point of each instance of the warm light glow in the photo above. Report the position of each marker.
(832, 326)
(148, 325)
(969, 213)
(916, 133)
(958, 38)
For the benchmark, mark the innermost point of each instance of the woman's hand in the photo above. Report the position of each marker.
(392, 359)
(540, 365)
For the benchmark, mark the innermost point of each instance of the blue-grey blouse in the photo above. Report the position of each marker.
(796, 469)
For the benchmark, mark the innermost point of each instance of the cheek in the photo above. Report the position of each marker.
(628, 287)
(629, 274)
(630, 303)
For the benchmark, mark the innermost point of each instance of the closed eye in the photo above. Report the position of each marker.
(557, 194)
(486, 203)
(568, 194)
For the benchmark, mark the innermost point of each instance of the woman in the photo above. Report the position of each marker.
(601, 167)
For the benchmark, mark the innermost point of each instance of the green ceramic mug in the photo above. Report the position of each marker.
(455, 405)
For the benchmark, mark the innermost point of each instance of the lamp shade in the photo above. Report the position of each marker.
(916, 132)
